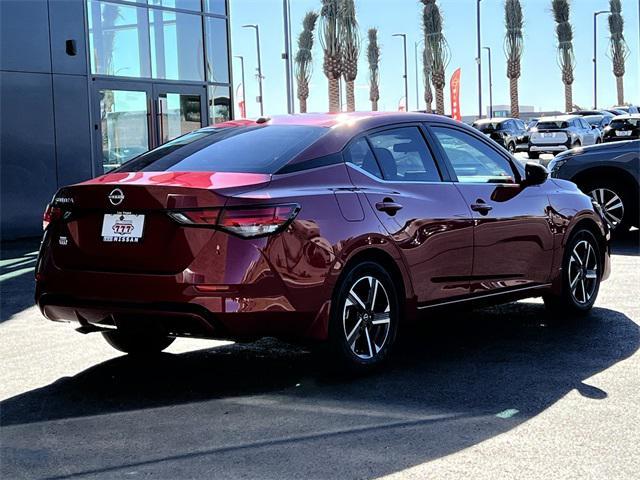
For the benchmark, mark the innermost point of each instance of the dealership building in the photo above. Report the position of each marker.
(87, 84)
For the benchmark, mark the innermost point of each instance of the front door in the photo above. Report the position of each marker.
(133, 117)
(424, 214)
(513, 242)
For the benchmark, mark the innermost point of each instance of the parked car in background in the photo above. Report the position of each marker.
(560, 133)
(531, 123)
(623, 127)
(588, 113)
(316, 228)
(628, 108)
(609, 174)
(599, 123)
(616, 111)
(510, 133)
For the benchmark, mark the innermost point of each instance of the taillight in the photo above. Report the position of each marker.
(246, 222)
(51, 214)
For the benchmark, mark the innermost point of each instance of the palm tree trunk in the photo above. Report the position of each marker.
(351, 96)
(513, 91)
(620, 85)
(374, 105)
(568, 97)
(303, 105)
(439, 100)
(334, 95)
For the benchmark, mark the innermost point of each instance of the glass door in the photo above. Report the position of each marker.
(133, 117)
(122, 122)
(178, 110)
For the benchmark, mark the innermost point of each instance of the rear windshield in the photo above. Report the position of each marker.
(488, 126)
(634, 122)
(255, 149)
(550, 125)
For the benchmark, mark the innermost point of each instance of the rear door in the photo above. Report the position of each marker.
(512, 236)
(421, 209)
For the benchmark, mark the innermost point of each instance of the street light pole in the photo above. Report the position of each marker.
(488, 49)
(260, 99)
(417, 81)
(479, 59)
(595, 61)
(287, 55)
(244, 94)
(406, 80)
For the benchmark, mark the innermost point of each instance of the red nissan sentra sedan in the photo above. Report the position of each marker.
(334, 228)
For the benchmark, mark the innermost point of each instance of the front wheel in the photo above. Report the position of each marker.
(137, 343)
(581, 273)
(364, 318)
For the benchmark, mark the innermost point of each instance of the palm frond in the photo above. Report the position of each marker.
(618, 49)
(564, 33)
(304, 57)
(349, 38)
(513, 40)
(373, 57)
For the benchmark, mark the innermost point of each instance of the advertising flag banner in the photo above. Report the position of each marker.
(455, 95)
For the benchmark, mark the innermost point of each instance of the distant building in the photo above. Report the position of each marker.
(527, 112)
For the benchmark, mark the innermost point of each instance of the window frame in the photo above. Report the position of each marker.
(441, 167)
(518, 171)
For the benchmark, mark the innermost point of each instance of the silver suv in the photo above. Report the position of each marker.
(557, 134)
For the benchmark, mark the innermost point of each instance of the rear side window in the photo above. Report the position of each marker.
(403, 155)
(255, 149)
(359, 153)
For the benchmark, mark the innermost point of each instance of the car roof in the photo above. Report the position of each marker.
(556, 118)
(359, 120)
(628, 115)
(492, 120)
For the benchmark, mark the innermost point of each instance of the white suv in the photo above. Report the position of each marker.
(557, 134)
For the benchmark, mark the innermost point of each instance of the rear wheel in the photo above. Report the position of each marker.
(138, 342)
(364, 318)
(581, 271)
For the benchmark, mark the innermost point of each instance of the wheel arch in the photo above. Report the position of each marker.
(400, 277)
(610, 173)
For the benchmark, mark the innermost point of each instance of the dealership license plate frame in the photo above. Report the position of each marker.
(114, 227)
(623, 133)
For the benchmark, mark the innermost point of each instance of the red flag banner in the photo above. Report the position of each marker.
(455, 95)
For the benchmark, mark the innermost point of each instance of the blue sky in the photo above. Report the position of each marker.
(540, 83)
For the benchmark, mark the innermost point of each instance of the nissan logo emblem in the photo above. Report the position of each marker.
(116, 196)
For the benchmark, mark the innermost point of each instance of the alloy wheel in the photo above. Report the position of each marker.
(611, 205)
(366, 317)
(583, 272)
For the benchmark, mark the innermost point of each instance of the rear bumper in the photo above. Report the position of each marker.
(548, 148)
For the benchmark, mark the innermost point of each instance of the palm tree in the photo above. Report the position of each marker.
(351, 49)
(617, 46)
(304, 59)
(513, 46)
(332, 47)
(373, 55)
(426, 72)
(564, 32)
(437, 45)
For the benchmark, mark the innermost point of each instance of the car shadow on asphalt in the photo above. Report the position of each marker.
(271, 410)
(627, 243)
(17, 282)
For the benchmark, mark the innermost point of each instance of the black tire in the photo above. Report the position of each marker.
(367, 344)
(137, 343)
(533, 155)
(573, 300)
(599, 189)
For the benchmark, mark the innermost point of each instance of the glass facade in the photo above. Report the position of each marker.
(162, 68)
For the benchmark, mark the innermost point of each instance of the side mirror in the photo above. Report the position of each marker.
(535, 174)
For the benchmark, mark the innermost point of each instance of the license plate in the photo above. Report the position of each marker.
(122, 227)
(622, 133)
(547, 135)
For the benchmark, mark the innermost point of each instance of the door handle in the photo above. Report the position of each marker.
(388, 206)
(481, 207)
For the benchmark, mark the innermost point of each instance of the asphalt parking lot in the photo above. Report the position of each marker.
(504, 392)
